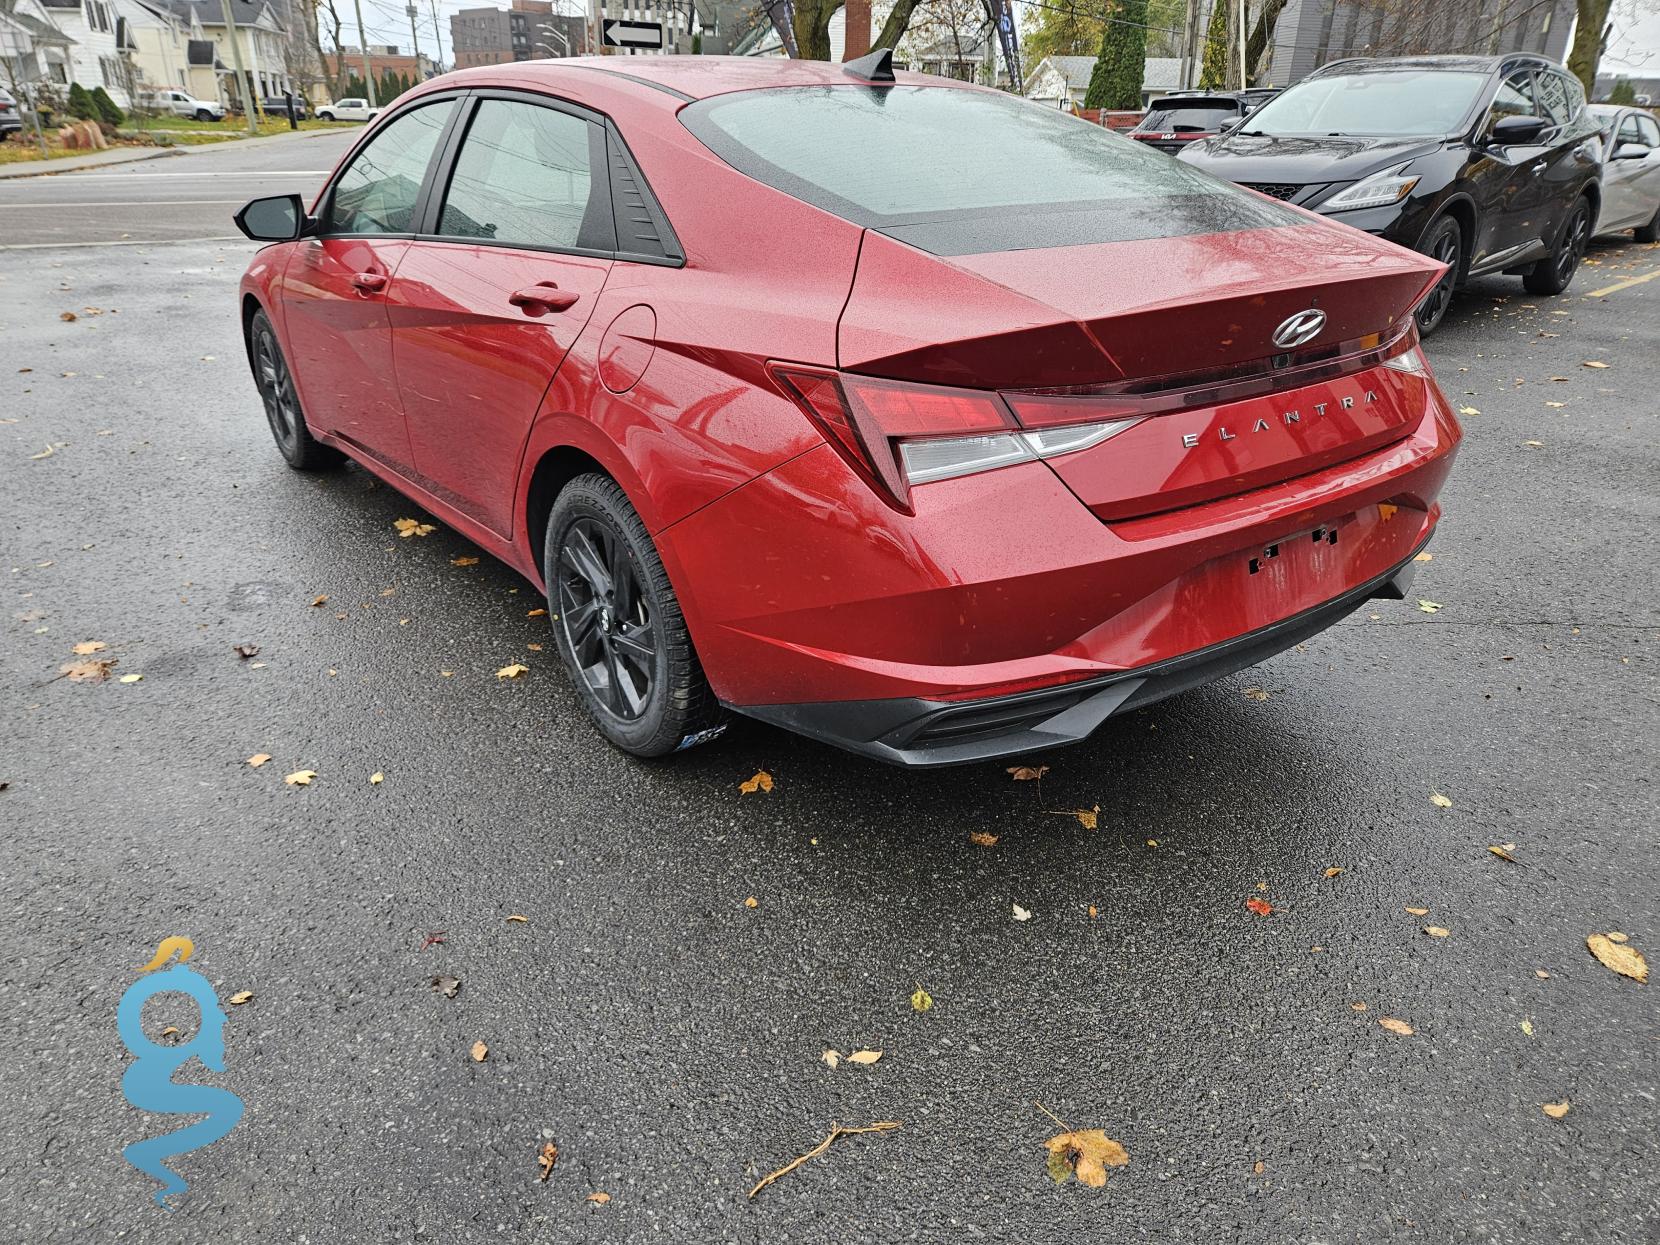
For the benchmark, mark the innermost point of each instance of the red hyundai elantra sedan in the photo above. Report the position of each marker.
(885, 408)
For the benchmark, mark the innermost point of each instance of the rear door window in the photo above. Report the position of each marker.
(525, 177)
(956, 171)
(1649, 128)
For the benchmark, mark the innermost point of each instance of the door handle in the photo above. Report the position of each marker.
(543, 296)
(369, 282)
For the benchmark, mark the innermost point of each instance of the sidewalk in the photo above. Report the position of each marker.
(126, 155)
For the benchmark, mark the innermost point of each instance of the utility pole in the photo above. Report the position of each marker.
(362, 46)
(437, 40)
(1244, 39)
(414, 40)
(1190, 44)
(242, 86)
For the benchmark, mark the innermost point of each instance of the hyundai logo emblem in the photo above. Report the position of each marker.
(1303, 327)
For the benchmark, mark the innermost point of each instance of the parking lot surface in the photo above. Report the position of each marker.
(667, 1034)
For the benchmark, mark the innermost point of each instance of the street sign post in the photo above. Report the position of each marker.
(621, 34)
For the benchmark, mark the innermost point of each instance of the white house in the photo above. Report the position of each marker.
(34, 50)
(161, 45)
(259, 32)
(95, 56)
(1063, 81)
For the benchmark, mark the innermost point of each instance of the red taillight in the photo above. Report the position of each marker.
(865, 419)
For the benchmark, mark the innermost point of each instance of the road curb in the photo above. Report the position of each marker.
(73, 167)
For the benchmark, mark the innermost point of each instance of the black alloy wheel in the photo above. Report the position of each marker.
(606, 619)
(1553, 274)
(1445, 242)
(302, 451)
(619, 626)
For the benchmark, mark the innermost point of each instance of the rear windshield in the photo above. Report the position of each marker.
(955, 171)
(1189, 117)
(1387, 103)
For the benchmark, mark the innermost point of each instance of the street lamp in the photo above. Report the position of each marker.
(549, 29)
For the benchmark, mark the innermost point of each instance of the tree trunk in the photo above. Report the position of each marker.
(1588, 38)
(812, 28)
(1262, 37)
(893, 30)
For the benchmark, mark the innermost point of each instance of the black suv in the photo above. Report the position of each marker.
(1487, 163)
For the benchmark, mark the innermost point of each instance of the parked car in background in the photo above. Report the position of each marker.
(1485, 163)
(11, 116)
(283, 105)
(908, 415)
(183, 104)
(1174, 121)
(347, 110)
(1630, 172)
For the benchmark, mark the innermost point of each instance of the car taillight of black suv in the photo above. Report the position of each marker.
(1486, 163)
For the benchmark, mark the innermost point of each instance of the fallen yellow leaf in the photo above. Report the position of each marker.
(832, 1058)
(131, 678)
(301, 778)
(545, 1160)
(1087, 817)
(761, 782)
(319, 601)
(598, 1198)
(1357, 1007)
(463, 561)
(480, 1052)
(921, 1001)
(1435, 931)
(1396, 1026)
(752, 902)
(241, 997)
(1027, 773)
(1255, 693)
(864, 1056)
(1424, 557)
(1468, 410)
(1419, 911)
(1556, 1110)
(413, 527)
(981, 839)
(1503, 852)
(1618, 955)
(1595, 363)
(1021, 914)
(87, 647)
(1527, 1027)
(534, 613)
(1085, 1153)
(258, 759)
(520, 920)
(45, 453)
(513, 671)
(94, 671)
(1334, 871)
(377, 778)
(1439, 800)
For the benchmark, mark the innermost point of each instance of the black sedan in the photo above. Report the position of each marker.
(1489, 164)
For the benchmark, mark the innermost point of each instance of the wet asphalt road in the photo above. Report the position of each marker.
(666, 1036)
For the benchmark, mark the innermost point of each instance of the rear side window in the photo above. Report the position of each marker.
(525, 177)
(955, 171)
(378, 191)
(1650, 129)
(1197, 117)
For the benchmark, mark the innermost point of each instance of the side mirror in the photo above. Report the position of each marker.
(279, 218)
(1515, 131)
(1632, 151)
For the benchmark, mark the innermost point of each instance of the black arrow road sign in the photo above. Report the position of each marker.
(620, 34)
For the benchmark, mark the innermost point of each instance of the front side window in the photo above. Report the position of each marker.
(1515, 98)
(1628, 130)
(958, 172)
(524, 178)
(1553, 98)
(377, 193)
(1382, 103)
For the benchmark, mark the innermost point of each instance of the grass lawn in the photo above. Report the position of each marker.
(159, 132)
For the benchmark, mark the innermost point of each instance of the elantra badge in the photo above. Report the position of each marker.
(1190, 440)
(1303, 327)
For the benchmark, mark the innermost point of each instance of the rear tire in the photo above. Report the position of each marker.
(1554, 273)
(324, 116)
(1444, 242)
(299, 448)
(1649, 232)
(619, 626)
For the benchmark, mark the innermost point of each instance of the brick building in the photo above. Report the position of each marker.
(529, 30)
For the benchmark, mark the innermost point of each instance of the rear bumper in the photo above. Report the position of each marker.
(917, 732)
